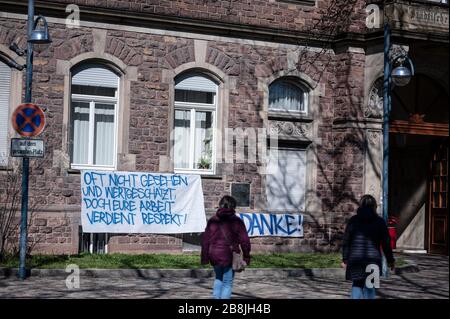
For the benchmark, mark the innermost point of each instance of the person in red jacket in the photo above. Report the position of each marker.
(224, 233)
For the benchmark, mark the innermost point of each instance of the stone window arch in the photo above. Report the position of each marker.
(126, 74)
(224, 84)
(195, 122)
(286, 181)
(94, 109)
(288, 94)
(291, 186)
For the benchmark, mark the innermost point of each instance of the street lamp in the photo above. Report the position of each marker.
(399, 76)
(38, 35)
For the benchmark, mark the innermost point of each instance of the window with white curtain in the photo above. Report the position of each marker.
(5, 87)
(194, 123)
(94, 108)
(287, 94)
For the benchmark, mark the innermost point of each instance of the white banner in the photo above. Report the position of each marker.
(134, 202)
(273, 225)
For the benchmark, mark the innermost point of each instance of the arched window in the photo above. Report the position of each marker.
(286, 94)
(5, 88)
(94, 107)
(195, 113)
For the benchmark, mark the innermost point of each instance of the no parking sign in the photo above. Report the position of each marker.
(28, 120)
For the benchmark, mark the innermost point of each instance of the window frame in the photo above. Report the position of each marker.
(304, 183)
(193, 107)
(299, 86)
(93, 100)
(305, 3)
(6, 156)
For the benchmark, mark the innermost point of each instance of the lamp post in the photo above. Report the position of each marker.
(36, 35)
(399, 76)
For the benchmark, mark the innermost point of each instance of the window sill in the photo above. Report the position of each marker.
(304, 3)
(205, 175)
(289, 115)
(211, 176)
(73, 171)
(76, 170)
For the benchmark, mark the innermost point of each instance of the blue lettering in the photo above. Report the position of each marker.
(94, 191)
(124, 205)
(248, 223)
(278, 227)
(122, 180)
(114, 192)
(154, 193)
(268, 224)
(177, 180)
(300, 223)
(255, 223)
(150, 180)
(273, 224)
(97, 203)
(91, 221)
(156, 206)
(288, 224)
(92, 177)
(149, 218)
(98, 217)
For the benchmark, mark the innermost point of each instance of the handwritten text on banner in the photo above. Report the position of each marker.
(132, 202)
(279, 225)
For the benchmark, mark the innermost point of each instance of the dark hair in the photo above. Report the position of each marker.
(227, 202)
(368, 201)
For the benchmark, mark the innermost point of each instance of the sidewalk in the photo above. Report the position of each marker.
(430, 282)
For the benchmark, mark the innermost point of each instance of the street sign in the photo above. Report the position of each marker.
(28, 120)
(27, 147)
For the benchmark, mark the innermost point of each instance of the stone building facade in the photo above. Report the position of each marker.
(322, 49)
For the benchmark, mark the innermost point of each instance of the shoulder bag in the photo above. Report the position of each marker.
(238, 263)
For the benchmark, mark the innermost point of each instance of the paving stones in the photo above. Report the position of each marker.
(432, 281)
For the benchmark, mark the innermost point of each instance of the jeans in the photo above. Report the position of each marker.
(223, 283)
(360, 291)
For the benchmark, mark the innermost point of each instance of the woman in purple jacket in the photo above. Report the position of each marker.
(223, 234)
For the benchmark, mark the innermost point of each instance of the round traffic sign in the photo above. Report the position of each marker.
(28, 120)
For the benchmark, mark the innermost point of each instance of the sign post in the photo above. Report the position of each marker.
(28, 120)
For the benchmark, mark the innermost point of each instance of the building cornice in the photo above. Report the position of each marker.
(219, 28)
(176, 23)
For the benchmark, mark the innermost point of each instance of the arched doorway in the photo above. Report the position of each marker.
(418, 166)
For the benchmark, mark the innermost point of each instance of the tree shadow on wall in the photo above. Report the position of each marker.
(342, 156)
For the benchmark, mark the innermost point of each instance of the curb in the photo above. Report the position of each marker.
(175, 273)
(192, 273)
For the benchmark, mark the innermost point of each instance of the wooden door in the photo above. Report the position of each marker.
(438, 201)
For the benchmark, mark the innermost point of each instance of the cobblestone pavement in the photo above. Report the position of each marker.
(432, 281)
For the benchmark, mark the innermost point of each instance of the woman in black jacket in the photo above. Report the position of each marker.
(366, 233)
